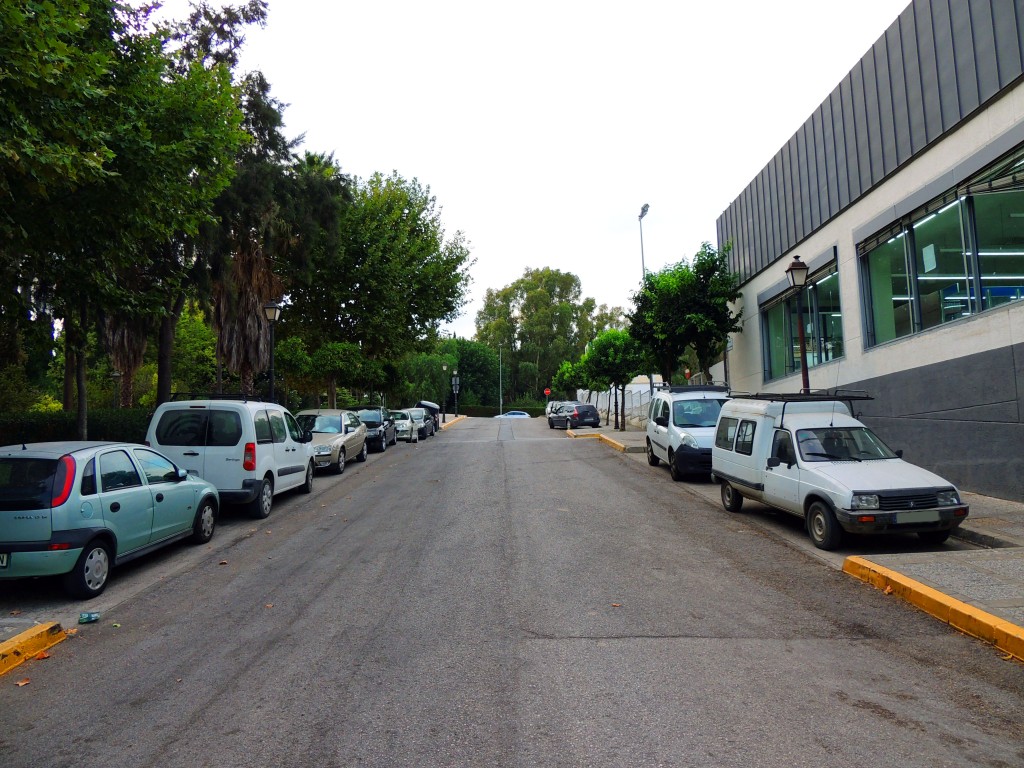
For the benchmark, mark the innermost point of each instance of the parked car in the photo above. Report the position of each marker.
(554, 405)
(76, 509)
(250, 450)
(338, 437)
(808, 456)
(433, 409)
(424, 422)
(513, 415)
(681, 428)
(574, 415)
(405, 427)
(380, 427)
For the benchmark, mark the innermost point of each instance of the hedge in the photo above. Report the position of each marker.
(115, 424)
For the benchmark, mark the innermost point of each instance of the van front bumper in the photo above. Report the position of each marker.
(692, 461)
(905, 521)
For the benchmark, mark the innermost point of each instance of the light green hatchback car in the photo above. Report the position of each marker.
(76, 509)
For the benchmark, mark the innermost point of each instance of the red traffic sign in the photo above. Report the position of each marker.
(547, 391)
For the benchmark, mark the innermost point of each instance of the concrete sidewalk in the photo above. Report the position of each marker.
(978, 591)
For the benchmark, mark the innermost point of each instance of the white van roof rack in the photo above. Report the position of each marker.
(817, 396)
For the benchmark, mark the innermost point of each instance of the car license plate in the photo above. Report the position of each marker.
(3, 559)
(917, 516)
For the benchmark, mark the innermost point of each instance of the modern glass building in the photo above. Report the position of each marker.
(904, 193)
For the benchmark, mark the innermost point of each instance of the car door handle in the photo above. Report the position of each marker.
(190, 453)
(159, 497)
(115, 507)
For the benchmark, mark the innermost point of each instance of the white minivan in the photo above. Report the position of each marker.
(250, 450)
(807, 455)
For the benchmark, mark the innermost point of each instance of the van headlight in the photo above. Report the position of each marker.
(865, 501)
(948, 498)
(687, 441)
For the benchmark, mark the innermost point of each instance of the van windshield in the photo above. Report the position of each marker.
(696, 413)
(841, 444)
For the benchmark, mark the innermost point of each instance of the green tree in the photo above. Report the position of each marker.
(685, 306)
(614, 358)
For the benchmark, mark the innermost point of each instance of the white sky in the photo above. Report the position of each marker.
(543, 127)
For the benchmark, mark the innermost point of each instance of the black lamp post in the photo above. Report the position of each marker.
(272, 311)
(643, 266)
(455, 388)
(796, 273)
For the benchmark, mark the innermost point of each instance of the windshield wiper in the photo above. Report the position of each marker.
(834, 457)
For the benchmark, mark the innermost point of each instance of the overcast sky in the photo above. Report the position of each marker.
(543, 127)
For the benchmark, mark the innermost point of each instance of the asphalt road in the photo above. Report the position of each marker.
(499, 595)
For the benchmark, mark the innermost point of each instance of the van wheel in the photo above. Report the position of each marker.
(651, 458)
(731, 498)
(307, 487)
(89, 576)
(673, 468)
(822, 526)
(340, 466)
(205, 522)
(260, 506)
(934, 537)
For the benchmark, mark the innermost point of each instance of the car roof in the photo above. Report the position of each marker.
(56, 449)
(323, 412)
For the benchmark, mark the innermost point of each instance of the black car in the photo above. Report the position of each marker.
(573, 415)
(380, 427)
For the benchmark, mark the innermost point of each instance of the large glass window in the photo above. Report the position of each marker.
(891, 305)
(999, 223)
(940, 267)
(960, 254)
(823, 327)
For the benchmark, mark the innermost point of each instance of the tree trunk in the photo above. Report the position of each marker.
(82, 419)
(615, 389)
(332, 393)
(70, 368)
(165, 349)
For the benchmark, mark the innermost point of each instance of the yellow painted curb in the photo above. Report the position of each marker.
(27, 644)
(613, 443)
(1004, 635)
(572, 433)
(453, 420)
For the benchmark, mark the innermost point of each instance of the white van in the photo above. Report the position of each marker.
(250, 450)
(807, 455)
(681, 427)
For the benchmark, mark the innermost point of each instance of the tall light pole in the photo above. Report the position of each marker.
(455, 388)
(499, 381)
(643, 212)
(444, 400)
(796, 273)
(272, 311)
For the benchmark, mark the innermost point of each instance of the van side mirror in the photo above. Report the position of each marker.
(774, 461)
(307, 437)
(899, 454)
(661, 421)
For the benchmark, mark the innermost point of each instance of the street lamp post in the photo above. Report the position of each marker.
(455, 388)
(444, 400)
(643, 212)
(796, 273)
(500, 398)
(272, 311)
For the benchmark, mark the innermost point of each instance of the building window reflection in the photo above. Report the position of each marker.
(823, 329)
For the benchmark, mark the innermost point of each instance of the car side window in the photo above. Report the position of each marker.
(782, 447)
(353, 421)
(262, 424)
(277, 427)
(293, 427)
(117, 471)
(225, 429)
(156, 468)
(725, 433)
(745, 438)
(88, 487)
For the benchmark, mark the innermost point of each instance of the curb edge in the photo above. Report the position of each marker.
(27, 644)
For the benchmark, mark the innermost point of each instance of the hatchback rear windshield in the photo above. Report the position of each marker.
(26, 483)
(198, 428)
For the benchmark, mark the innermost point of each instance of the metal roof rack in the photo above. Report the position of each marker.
(676, 388)
(817, 396)
(216, 396)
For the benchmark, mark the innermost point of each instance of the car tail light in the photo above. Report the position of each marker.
(63, 480)
(249, 457)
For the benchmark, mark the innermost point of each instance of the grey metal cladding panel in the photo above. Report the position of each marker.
(803, 212)
(875, 135)
(787, 196)
(809, 178)
(964, 57)
(884, 91)
(779, 205)
(900, 100)
(829, 155)
(842, 177)
(1007, 40)
(917, 131)
(846, 96)
(927, 58)
(765, 249)
(945, 62)
(749, 231)
(986, 58)
(860, 118)
(771, 207)
(822, 172)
